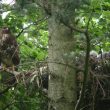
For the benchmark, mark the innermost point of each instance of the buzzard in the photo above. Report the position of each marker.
(9, 50)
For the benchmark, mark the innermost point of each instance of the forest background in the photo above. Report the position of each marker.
(31, 22)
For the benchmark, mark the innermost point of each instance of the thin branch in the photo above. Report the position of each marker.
(35, 23)
(104, 93)
(73, 28)
(86, 67)
(86, 106)
(87, 27)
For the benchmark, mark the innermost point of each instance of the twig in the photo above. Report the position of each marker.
(35, 23)
(86, 106)
(104, 94)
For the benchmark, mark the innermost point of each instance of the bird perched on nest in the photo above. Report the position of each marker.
(9, 50)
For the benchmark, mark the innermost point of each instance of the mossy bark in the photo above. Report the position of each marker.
(62, 81)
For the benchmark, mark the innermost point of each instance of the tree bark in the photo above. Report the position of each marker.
(62, 80)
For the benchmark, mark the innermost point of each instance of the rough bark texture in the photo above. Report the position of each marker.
(62, 84)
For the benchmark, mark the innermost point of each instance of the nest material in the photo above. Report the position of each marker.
(97, 93)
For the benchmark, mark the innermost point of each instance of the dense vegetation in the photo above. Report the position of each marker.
(28, 21)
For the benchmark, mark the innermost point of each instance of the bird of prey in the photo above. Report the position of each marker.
(9, 50)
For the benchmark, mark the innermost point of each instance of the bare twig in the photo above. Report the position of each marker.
(35, 23)
(104, 93)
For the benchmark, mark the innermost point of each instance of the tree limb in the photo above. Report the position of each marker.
(73, 28)
(86, 67)
(35, 23)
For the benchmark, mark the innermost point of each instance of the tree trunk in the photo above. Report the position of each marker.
(62, 80)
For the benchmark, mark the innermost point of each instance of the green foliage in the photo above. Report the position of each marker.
(98, 25)
(26, 22)
(25, 18)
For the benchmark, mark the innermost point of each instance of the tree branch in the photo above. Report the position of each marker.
(73, 28)
(35, 23)
(86, 67)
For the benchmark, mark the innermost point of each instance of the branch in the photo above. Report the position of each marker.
(35, 23)
(73, 28)
(78, 105)
(86, 67)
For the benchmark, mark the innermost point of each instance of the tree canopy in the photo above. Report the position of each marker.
(27, 19)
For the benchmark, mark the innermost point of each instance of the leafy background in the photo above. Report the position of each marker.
(28, 22)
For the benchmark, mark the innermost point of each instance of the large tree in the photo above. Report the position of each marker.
(62, 80)
(66, 42)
